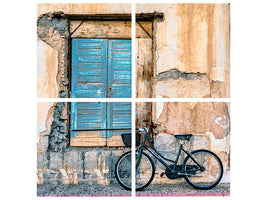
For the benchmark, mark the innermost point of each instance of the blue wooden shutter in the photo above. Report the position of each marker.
(89, 68)
(96, 76)
(119, 68)
(88, 116)
(119, 118)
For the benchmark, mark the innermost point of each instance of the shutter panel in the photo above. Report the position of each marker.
(88, 116)
(119, 118)
(119, 68)
(89, 68)
(94, 75)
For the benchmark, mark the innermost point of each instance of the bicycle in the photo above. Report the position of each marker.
(201, 168)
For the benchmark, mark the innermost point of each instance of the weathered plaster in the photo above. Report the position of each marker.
(195, 118)
(175, 84)
(208, 122)
(47, 61)
(44, 122)
(83, 8)
(192, 38)
(54, 32)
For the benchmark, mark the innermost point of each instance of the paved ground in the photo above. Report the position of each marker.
(181, 189)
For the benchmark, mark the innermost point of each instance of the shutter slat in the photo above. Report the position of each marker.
(119, 74)
(88, 116)
(118, 116)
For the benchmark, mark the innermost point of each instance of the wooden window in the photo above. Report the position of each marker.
(101, 68)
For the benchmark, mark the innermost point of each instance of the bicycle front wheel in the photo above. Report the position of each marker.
(123, 170)
(208, 175)
(145, 171)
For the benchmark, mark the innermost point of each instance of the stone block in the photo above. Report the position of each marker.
(72, 171)
(103, 166)
(73, 160)
(90, 166)
(40, 176)
(42, 161)
(55, 160)
(90, 160)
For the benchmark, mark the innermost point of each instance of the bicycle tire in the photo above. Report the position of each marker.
(147, 169)
(213, 169)
(123, 172)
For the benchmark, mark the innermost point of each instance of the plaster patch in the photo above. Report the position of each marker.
(217, 73)
(219, 145)
(159, 106)
(222, 121)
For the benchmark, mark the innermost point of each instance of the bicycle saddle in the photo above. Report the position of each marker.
(184, 137)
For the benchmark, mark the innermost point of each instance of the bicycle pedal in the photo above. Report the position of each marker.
(162, 174)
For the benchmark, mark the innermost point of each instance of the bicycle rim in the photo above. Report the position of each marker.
(208, 178)
(123, 170)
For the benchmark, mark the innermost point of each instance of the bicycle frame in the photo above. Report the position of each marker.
(160, 157)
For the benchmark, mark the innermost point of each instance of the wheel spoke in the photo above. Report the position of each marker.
(208, 178)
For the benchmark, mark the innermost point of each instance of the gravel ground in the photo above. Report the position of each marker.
(181, 189)
(82, 190)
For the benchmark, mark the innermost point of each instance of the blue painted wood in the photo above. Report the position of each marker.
(89, 68)
(96, 76)
(119, 68)
(101, 116)
(101, 68)
(119, 117)
(88, 116)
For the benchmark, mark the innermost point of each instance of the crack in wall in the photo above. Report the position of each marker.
(176, 74)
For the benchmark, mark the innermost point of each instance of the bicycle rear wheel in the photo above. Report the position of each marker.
(123, 170)
(210, 174)
(145, 171)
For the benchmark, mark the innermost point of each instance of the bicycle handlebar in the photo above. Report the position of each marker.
(152, 124)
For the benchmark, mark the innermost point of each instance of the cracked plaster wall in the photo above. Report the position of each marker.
(208, 122)
(192, 38)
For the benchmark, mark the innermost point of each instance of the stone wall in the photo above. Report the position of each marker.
(78, 165)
